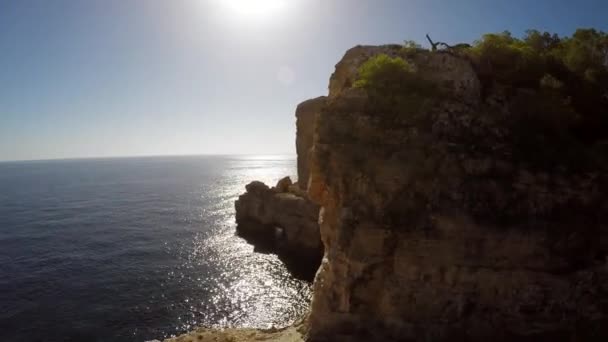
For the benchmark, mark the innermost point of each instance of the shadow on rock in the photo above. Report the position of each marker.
(266, 239)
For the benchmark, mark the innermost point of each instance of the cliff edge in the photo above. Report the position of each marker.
(448, 215)
(454, 205)
(282, 219)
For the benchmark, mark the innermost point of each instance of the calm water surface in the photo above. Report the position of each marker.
(132, 249)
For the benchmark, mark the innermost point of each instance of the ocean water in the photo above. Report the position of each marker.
(131, 249)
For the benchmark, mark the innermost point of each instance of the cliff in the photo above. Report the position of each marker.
(455, 205)
(283, 220)
(451, 216)
(305, 124)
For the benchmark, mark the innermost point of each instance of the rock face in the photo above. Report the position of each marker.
(465, 217)
(442, 225)
(345, 74)
(305, 124)
(282, 220)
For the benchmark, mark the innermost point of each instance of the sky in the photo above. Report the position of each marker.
(101, 78)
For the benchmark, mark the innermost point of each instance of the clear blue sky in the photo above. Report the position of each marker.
(88, 78)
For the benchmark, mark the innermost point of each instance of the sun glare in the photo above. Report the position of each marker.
(254, 8)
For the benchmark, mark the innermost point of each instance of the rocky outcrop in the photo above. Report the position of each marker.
(284, 221)
(305, 124)
(443, 224)
(467, 214)
(345, 74)
(444, 69)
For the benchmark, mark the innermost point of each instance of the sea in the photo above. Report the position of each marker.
(134, 249)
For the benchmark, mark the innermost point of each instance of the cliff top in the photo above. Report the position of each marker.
(508, 130)
(555, 88)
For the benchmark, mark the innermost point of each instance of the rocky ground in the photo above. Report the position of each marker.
(290, 334)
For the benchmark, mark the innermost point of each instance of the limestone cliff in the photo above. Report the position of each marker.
(284, 221)
(441, 223)
(458, 210)
(305, 124)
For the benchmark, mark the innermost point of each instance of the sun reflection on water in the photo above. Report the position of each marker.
(233, 286)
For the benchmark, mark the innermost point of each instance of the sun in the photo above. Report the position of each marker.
(254, 8)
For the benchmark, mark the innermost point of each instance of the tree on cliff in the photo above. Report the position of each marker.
(574, 68)
(569, 74)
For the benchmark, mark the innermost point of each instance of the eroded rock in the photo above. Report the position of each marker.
(283, 184)
(440, 225)
(281, 221)
(305, 124)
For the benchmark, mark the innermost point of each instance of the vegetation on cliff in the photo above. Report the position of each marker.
(526, 61)
(395, 86)
(481, 214)
(555, 87)
(568, 112)
(571, 71)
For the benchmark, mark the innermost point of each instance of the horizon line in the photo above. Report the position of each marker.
(146, 156)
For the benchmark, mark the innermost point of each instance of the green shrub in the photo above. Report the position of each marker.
(574, 69)
(411, 44)
(508, 60)
(410, 47)
(394, 86)
(382, 72)
(587, 49)
(524, 62)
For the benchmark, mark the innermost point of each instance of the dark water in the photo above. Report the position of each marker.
(134, 249)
